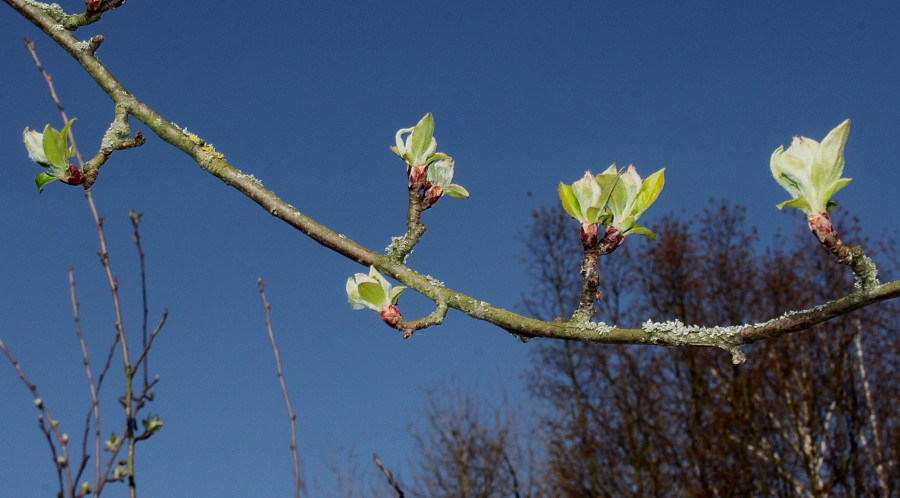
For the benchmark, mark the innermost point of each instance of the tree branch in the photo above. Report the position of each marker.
(666, 334)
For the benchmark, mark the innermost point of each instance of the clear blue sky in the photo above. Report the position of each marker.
(307, 97)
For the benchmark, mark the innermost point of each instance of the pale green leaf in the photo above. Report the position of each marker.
(43, 179)
(372, 293)
(650, 189)
(829, 160)
(640, 230)
(54, 147)
(454, 190)
(834, 187)
(569, 203)
(593, 214)
(422, 136)
(395, 293)
(799, 203)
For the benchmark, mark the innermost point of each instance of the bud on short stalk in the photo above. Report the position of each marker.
(373, 291)
(811, 172)
(428, 172)
(50, 150)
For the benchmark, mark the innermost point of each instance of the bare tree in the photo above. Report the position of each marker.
(796, 421)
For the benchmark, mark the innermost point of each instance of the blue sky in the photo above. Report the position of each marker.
(307, 97)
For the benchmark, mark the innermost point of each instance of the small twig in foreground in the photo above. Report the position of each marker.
(287, 400)
(61, 460)
(390, 477)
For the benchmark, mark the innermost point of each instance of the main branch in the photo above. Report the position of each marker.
(667, 334)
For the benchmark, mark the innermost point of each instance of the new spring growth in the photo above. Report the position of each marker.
(437, 183)
(811, 172)
(151, 424)
(630, 197)
(425, 167)
(373, 291)
(50, 150)
(614, 199)
(586, 200)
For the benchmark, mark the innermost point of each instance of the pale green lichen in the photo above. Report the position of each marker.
(675, 331)
(598, 327)
(251, 178)
(53, 10)
(434, 281)
(395, 243)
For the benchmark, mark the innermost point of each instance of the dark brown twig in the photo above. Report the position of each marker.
(53, 433)
(390, 477)
(94, 409)
(287, 400)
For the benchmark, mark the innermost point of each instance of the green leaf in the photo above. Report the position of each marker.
(54, 147)
(395, 293)
(650, 189)
(640, 230)
(593, 214)
(454, 190)
(65, 131)
(834, 187)
(607, 182)
(829, 160)
(372, 293)
(618, 198)
(438, 155)
(422, 136)
(43, 179)
(569, 203)
(799, 203)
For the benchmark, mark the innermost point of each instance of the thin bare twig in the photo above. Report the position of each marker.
(878, 460)
(390, 477)
(135, 218)
(94, 409)
(53, 433)
(128, 399)
(287, 400)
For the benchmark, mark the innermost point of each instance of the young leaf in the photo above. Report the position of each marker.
(54, 147)
(43, 179)
(422, 136)
(640, 230)
(569, 203)
(372, 293)
(454, 190)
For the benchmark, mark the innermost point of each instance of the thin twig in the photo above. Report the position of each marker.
(878, 460)
(390, 477)
(146, 350)
(135, 218)
(287, 400)
(61, 461)
(94, 410)
(113, 285)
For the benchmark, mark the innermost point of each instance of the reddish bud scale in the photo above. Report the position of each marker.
(589, 236)
(821, 226)
(612, 240)
(390, 315)
(432, 194)
(73, 177)
(416, 176)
